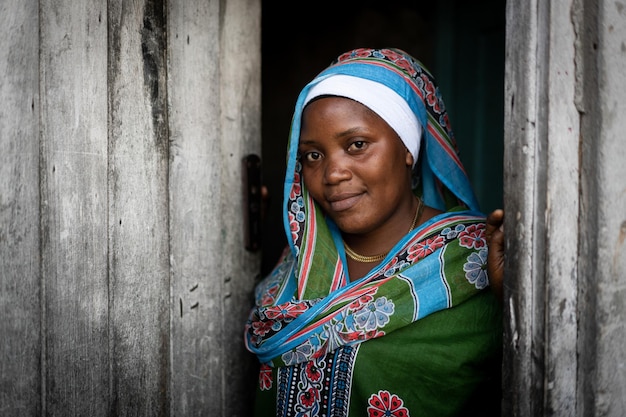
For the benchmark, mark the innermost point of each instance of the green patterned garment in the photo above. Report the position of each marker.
(421, 333)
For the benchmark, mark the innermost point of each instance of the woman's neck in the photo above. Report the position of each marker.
(383, 238)
(365, 251)
(368, 246)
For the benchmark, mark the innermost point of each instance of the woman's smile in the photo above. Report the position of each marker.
(344, 201)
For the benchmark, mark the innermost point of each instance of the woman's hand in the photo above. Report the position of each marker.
(495, 259)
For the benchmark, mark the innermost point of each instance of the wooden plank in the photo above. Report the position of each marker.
(74, 207)
(240, 67)
(138, 209)
(561, 124)
(565, 203)
(197, 280)
(214, 94)
(588, 97)
(523, 286)
(542, 204)
(602, 261)
(20, 346)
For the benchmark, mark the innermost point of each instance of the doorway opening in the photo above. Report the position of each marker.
(460, 42)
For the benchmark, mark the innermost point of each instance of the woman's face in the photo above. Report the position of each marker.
(354, 165)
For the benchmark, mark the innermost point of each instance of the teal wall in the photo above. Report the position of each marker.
(468, 64)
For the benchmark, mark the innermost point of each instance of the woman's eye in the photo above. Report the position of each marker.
(357, 145)
(312, 156)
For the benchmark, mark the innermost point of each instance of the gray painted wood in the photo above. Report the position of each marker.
(138, 154)
(194, 186)
(73, 179)
(602, 264)
(197, 249)
(20, 281)
(212, 275)
(241, 126)
(565, 198)
(523, 322)
(123, 276)
(560, 141)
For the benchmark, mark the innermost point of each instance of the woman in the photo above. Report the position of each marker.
(381, 305)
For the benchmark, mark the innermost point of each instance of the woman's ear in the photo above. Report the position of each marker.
(409, 158)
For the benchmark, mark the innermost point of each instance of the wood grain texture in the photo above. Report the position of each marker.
(124, 280)
(521, 376)
(602, 261)
(197, 280)
(138, 148)
(565, 197)
(241, 132)
(561, 124)
(74, 208)
(20, 266)
(214, 91)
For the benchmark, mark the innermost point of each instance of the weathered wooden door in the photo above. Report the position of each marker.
(124, 279)
(565, 199)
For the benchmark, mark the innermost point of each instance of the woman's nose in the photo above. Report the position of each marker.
(337, 170)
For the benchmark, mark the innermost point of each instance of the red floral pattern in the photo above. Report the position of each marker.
(270, 295)
(285, 311)
(431, 94)
(473, 236)
(313, 372)
(386, 404)
(294, 226)
(261, 328)
(265, 377)
(309, 397)
(422, 249)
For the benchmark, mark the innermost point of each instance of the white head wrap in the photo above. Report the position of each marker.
(382, 100)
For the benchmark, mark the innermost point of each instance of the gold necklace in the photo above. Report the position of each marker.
(377, 258)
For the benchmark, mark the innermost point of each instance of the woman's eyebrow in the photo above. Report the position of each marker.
(349, 132)
(338, 135)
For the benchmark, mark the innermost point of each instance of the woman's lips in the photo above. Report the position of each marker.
(343, 202)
